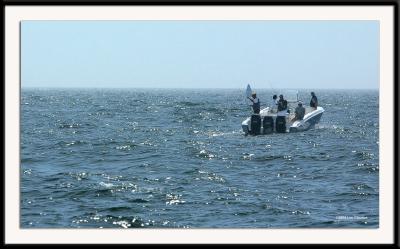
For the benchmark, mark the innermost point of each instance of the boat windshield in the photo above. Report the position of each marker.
(291, 95)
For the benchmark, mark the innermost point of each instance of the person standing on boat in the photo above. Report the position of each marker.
(274, 104)
(256, 102)
(282, 106)
(313, 101)
(299, 112)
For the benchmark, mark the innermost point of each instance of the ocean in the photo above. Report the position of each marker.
(177, 158)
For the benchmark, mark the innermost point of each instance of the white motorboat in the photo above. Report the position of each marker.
(270, 121)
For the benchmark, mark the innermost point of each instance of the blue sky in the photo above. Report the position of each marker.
(200, 54)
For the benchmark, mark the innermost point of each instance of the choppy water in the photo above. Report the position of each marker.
(178, 159)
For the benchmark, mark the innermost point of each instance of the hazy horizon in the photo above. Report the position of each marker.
(199, 88)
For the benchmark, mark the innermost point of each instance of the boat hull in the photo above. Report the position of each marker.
(309, 121)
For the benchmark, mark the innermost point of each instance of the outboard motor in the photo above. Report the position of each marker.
(280, 124)
(268, 125)
(255, 124)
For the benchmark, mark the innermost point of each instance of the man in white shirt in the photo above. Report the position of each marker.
(274, 104)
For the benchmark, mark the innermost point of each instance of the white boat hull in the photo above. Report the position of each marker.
(309, 121)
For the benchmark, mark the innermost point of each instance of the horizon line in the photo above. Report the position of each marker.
(205, 88)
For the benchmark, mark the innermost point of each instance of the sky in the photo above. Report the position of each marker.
(200, 54)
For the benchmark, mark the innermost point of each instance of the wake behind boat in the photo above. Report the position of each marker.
(271, 121)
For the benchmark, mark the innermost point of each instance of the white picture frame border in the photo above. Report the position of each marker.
(382, 235)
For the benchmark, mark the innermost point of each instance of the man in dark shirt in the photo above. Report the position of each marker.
(299, 112)
(282, 103)
(256, 103)
(314, 101)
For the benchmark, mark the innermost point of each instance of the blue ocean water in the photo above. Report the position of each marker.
(176, 158)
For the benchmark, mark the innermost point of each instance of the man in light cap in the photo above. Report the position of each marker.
(299, 112)
(256, 103)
